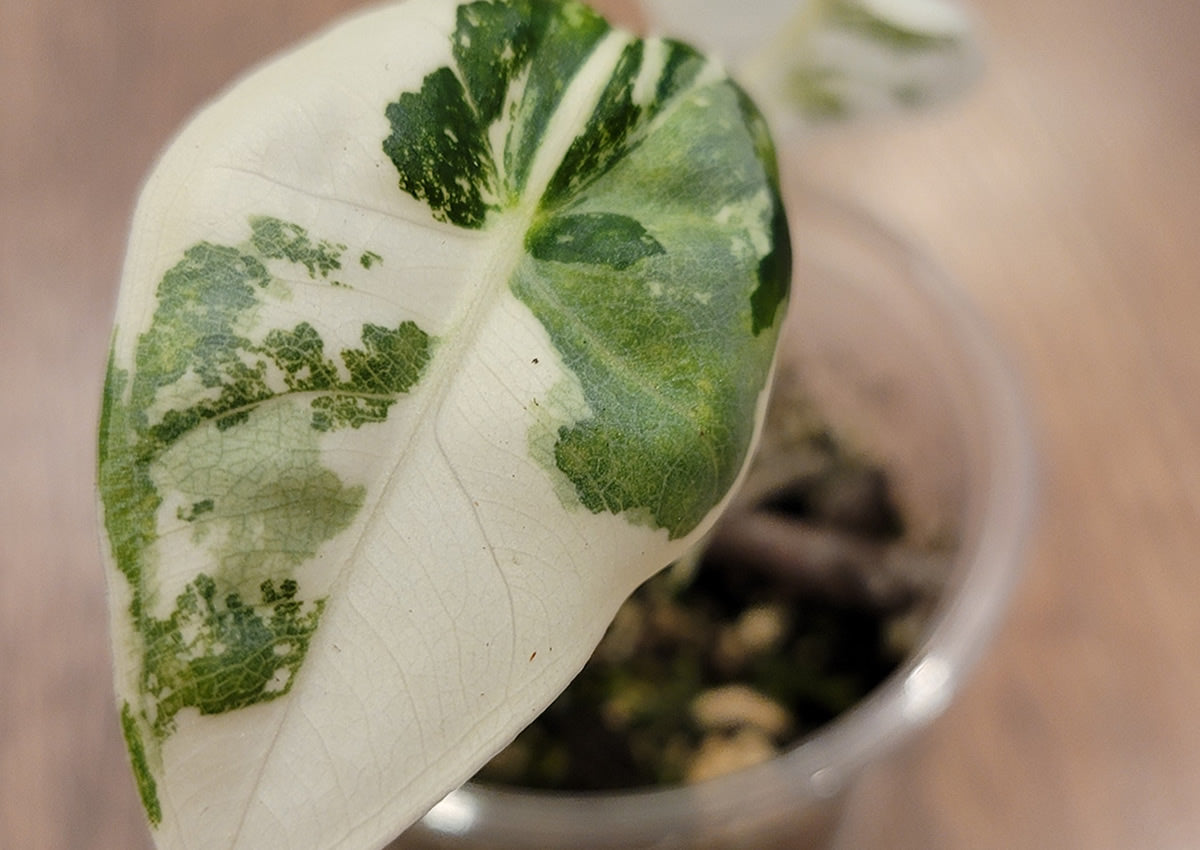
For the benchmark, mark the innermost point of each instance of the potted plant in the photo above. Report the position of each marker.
(437, 336)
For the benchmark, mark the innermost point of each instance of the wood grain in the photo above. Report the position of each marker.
(1063, 195)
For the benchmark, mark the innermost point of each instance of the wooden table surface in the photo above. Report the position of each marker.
(1063, 196)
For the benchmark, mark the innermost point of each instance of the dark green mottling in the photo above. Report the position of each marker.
(237, 652)
(200, 398)
(645, 259)
(283, 240)
(439, 140)
(593, 238)
(437, 137)
(142, 775)
(671, 346)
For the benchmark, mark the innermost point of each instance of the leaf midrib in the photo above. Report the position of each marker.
(509, 228)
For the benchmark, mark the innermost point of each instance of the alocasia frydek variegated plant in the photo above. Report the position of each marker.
(813, 63)
(436, 337)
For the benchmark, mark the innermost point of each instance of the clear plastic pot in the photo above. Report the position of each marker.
(897, 359)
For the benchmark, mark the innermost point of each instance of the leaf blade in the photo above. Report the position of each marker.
(346, 566)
